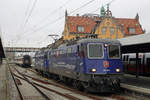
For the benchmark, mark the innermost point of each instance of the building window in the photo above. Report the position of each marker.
(112, 30)
(80, 28)
(103, 30)
(132, 30)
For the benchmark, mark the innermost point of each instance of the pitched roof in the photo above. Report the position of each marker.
(74, 21)
(90, 22)
(127, 23)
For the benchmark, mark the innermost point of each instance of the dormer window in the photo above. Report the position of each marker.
(131, 30)
(80, 28)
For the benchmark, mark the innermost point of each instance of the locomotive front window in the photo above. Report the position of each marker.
(114, 51)
(95, 51)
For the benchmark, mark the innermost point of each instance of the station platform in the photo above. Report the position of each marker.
(3, 82)
(8, 89)
(140, 84)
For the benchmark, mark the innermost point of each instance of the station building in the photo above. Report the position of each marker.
(103, 26)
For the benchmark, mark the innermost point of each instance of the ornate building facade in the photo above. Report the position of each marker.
(103, 26)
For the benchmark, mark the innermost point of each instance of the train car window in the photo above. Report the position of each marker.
(148, 62)
(132, 62)
(95, 51)
(51, 53)
(63, 52)
(45, 56)
(69, 51)
(54, 53)
(124, 58)
(57, 53)
(114, 51)
(127, 57)
(60, 52)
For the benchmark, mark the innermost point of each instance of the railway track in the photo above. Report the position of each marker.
(75, 91)
(16, 84)
(68, 96)
(21, 95)
(93, 97)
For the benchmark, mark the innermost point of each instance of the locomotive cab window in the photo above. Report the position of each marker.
(95, 51)
(114, 51)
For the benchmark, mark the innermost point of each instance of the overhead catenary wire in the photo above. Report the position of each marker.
(56, 20)
(30, 13)
(87, 3)
(24, 18)
(33, 6)
(69, 13)
(52, 13)
(27, 16)
(26, 13)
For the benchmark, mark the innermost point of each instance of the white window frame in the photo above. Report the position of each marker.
(119, 51)
(131, 30)
(95, 57)
(80, 28)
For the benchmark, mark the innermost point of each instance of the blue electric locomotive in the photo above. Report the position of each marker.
(91, 64)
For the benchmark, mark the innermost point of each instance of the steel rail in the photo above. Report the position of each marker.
(61, 94)
(27, 80)
(20, 94)
(73, 90)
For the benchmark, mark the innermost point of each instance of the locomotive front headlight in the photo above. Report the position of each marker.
(106, 45)
(117, 70)
(93, 70)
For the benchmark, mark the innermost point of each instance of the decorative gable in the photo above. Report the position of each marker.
(108, 29)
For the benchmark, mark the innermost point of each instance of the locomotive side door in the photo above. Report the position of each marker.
(78, 62)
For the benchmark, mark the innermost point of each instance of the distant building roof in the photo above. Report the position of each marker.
(88, 23)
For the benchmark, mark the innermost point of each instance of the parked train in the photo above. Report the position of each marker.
(129, 63)
(24, 61)
(91, 64)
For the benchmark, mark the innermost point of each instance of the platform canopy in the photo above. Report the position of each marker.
(136, 44)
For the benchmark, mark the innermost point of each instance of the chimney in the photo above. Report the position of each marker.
(77, 14)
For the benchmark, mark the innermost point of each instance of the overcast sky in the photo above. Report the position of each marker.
(29, 22)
